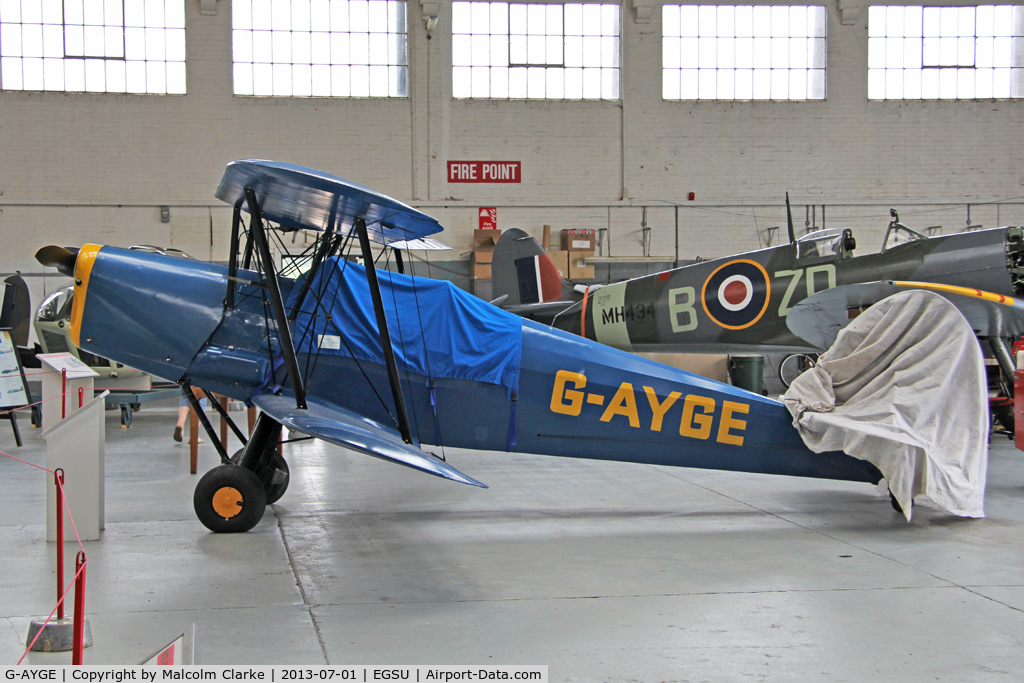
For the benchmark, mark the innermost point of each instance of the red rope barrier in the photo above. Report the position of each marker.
(58, 481)
(74, 581)
(76, 653)
(80, 560)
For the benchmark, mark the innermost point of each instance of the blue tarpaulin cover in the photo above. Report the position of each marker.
(437, 330)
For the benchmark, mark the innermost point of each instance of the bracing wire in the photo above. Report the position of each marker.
(426, 356)
(401, 338)
(351, 353)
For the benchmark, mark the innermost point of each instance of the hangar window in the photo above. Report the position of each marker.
(320, 48)
(743, 52)
(93, 46)
(555, 51)
(932, 53)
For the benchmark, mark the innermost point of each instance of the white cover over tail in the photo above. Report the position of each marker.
(904, 388)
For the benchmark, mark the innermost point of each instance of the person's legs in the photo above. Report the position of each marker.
(202, 406)
(182, 416)
(183, 409)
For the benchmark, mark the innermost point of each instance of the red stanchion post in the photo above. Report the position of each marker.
(58, 480)
(81, 396)
(76, 653)
(63, 391)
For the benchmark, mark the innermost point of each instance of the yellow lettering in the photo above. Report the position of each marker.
(729, 422)
(659, 409)
(560, 393)
(702, 419)
(623, 403)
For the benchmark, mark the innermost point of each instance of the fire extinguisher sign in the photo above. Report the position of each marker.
(489, 218)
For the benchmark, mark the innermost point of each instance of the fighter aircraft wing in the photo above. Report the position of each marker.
(304, 198)
(819, 318)
(342, 427)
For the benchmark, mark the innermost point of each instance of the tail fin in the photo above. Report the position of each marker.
(16, 311)
(524, 272)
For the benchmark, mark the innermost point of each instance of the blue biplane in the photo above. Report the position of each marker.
(389, 364)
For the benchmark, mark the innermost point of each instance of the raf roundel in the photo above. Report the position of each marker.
(736, 294)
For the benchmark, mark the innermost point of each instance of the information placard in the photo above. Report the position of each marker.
(13, 390)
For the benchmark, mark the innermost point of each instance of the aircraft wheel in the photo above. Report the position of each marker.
(895, 504)
(229, 499)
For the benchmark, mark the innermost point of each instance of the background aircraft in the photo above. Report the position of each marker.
(384, 363)
(751, 301)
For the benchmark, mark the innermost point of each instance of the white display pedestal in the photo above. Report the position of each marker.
(76, 445)
(78, 375)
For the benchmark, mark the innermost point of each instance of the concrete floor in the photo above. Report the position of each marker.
(602, 571)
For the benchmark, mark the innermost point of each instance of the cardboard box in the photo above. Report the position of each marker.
(712, 365)
(561, 261)
(480, 264)
(579, 240)
(483, 253)
(480, 271)
(578, 268)
(485, 239)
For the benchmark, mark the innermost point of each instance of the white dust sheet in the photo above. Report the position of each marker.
(904, 388)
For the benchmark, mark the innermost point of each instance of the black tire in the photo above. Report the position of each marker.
(279, 481)
(126, 417)
(221, 490)
(895, 503)
(275, 481)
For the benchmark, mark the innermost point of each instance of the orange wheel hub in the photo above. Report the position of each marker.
(227, 502)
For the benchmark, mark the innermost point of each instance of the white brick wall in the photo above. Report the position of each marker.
(76, 168)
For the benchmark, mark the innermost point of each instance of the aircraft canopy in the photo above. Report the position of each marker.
(437, 330)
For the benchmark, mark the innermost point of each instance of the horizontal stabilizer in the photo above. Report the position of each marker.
(541, 309)
(344, 428)
(421, 244)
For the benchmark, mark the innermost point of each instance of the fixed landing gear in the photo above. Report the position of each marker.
(232, 498)
(229, 499)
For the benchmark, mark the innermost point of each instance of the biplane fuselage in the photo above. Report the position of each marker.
(576, 397)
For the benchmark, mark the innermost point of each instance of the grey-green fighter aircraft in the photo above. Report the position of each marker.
(790, 298)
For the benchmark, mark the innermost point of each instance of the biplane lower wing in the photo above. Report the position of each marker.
(341, 427)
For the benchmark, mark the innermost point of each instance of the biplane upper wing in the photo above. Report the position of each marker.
(342, 427)
(819, 318)
(304, 198)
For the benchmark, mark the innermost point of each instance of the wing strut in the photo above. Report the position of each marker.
(382, 326)
(283, 331)
(236, 219)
